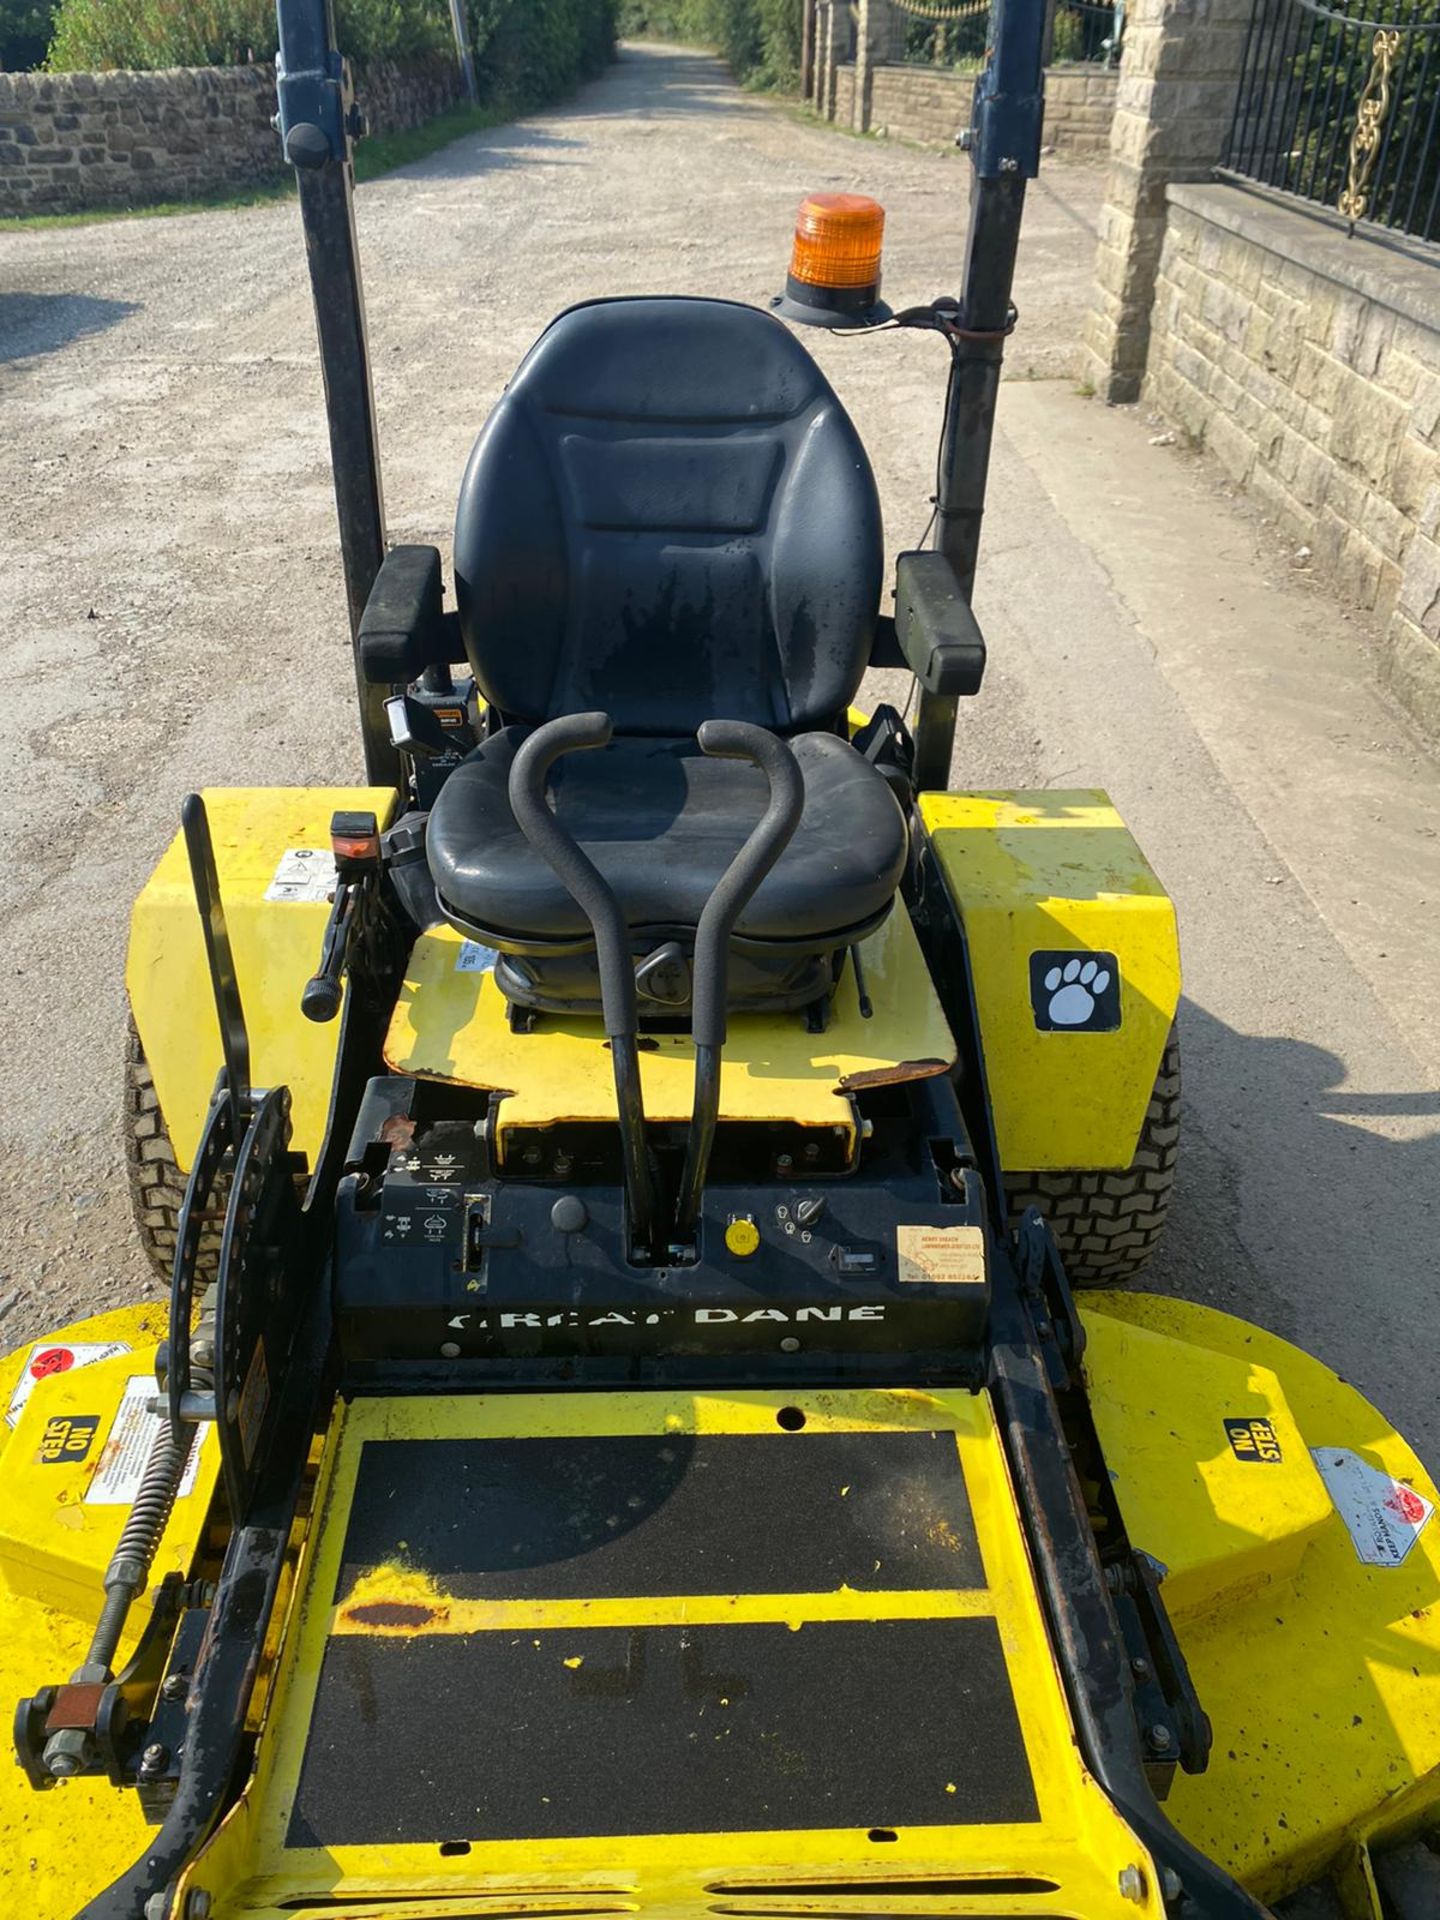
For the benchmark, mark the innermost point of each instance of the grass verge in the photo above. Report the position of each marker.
(373, 158)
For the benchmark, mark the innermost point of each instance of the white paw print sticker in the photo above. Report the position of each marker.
(1075, 992)
(1074, 989)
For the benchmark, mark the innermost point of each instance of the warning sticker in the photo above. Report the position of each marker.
(1384, 1517)
(127, 1451)
(306, 874)
(67, 1439)
(49, 1358)
(1254, 1440)
(941, 1256)
(473, 958)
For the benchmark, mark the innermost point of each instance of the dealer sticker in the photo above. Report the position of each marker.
(50, 1357)
(1382, 1515)
(126, 1452)
(945, 1256)
(306, 874)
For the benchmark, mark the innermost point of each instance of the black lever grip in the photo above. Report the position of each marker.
(595, 898)
(738, 740)
(572, 867)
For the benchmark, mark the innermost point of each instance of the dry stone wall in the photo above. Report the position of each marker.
(931, 105)
(1306, 361)
(73, 141)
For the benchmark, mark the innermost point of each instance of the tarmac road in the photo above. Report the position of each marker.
(174, 616)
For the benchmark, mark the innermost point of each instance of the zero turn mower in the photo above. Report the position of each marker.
(622, 1438)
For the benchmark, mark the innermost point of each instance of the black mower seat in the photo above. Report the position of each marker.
(668, 518)
(662, 822)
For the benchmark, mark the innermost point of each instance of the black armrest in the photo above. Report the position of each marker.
(404, 627)
(934, 633)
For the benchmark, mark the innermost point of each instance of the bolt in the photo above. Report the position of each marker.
(812, 1150)
(965, 139)
(1132, 1886)
(785, 1162)
(62, 1766)
(153, 1759)
(790, 1344)
(1161, 1738)
(175, 1686)
(1140, 1669)
(1171, 1885)
(960, 1180)
(450, 1351)
(1009, 166)
(198, 1904)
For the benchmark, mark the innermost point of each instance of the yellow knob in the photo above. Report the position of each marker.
(742, 1236)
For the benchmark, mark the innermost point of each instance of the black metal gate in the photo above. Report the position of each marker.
(1343, 109)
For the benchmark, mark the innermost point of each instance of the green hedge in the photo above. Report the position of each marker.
(759, 38)
(525, 50)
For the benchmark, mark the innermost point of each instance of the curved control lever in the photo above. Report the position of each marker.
(730, 740)
(592, 893)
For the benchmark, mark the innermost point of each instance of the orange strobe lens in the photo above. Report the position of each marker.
(838, 240)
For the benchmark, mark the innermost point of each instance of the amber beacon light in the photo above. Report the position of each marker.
(834, 277)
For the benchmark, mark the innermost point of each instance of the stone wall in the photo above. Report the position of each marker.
(71, 141)
(932, 104)
(1178, 82)
(1307, 362)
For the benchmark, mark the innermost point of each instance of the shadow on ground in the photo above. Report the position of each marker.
(1306, 1203)
(36, 323)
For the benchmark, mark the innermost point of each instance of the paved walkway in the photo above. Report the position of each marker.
(174, 617)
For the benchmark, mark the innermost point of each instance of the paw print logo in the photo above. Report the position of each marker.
(1075, 992)
(1075, 988)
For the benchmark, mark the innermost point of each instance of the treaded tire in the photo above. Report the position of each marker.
(157, 1186)
(1107, 1225)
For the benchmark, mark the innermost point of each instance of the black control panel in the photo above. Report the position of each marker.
(439, 1262)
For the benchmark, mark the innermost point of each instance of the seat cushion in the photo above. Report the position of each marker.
(662, 822)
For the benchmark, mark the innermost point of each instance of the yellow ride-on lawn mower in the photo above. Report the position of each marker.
(623, 1439)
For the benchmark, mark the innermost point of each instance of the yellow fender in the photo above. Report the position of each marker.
(1076, 966)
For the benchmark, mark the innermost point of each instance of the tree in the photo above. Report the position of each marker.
(25, 27)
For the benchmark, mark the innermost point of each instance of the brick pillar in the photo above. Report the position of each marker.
(1178, 81)
(807, 48)
(875, 41)
(822, 81)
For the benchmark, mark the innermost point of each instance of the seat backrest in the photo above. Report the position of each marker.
(669, 516)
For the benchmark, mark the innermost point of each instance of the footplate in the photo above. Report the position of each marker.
(619, 1652)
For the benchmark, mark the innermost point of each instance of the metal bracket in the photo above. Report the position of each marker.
(313, 85)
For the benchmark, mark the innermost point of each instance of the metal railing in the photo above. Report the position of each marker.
(953, 33)
(1342, 108)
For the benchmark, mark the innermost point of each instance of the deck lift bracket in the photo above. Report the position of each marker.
(318, 122)
(1004, 147)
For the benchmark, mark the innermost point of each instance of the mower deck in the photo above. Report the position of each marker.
(798, 1634)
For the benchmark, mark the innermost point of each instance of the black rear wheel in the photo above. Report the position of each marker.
(157, 1186)
(1107, 1225)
